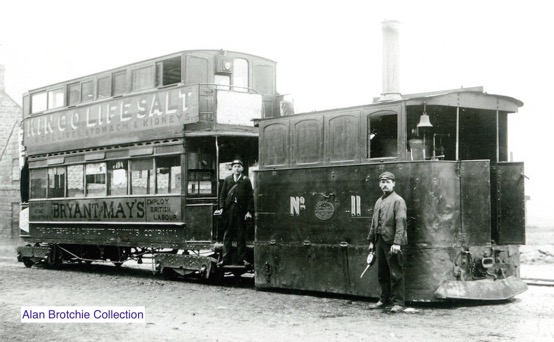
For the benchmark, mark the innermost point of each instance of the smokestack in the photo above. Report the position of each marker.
(2, 86)
(391, 61)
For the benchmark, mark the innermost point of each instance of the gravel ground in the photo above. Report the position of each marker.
(235, 311)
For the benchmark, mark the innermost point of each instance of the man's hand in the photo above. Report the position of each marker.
(248, 216)
(371, 246)
(218, 212)
(395, 249)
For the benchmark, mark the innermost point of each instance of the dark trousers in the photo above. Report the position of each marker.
(235, 229)
(390, 272)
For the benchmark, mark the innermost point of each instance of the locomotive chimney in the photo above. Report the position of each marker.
(391, 61)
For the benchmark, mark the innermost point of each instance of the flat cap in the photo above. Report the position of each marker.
(237, 161)
(387, 175)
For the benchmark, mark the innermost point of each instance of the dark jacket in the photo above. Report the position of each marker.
(394, 229)
(242, 192)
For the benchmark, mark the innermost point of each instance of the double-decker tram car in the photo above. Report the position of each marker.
(127, 162)
(317, 184)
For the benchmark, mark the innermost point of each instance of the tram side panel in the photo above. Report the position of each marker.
(313, 223)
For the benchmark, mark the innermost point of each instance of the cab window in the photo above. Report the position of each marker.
(382, 135)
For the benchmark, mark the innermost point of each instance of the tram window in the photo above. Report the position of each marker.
(240, 75)
(142, 78)
(117, 177)
(87, 91)
(56, 182)
(168, 71)
(55, 98)
(142, 176)
(222, 82)
(95, 179)
(103, 87)
(168, 175)
(119, 83)
(200, 182)
(382, 135)
(75, 186)
(38, 183)
(38, 102)
(74, 91)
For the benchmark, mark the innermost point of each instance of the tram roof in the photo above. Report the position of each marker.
(474, 97)
(153, 59)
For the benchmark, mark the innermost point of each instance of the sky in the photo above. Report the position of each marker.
(328, 52)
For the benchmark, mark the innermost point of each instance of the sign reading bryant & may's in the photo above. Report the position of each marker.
(159, 114)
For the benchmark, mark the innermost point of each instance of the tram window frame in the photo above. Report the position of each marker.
(98, 178)
(140, 163)
(117, 169)
(119, 83)
(87, 91)
(57, 179)
(170, 166)
(103, 87)
(169, 71)
(39, 102)
(372, 147)
(38, 181)
(75, 177)
(56, 98)
(73, 94)
(142, 78)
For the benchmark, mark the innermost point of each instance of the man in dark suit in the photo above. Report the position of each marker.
(236, 202)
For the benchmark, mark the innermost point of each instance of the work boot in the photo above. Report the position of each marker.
(378, 305)
(397, 308)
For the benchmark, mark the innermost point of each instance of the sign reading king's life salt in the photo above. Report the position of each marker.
(159, 114)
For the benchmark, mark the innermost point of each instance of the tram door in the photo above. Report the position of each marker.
(200, 186)
(208, 162)
(245, 149)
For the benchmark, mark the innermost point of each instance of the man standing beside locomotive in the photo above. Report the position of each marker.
(387, 235)
(236, 201)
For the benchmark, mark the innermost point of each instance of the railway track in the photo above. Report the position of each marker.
(538, 282)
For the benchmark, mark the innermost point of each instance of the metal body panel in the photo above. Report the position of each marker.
(476, 202)
(312, 225)
(509, 206)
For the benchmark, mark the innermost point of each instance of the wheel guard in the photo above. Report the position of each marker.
(485, 289)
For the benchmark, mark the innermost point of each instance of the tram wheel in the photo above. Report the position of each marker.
(54, 258)
(169, 274)
(28, 262)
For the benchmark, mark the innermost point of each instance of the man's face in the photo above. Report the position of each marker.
(237, 169)
(387, 185)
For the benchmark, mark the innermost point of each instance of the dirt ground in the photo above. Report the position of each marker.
(235, 311)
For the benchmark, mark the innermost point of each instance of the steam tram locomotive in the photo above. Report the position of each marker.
(128, 163)
(318, 182)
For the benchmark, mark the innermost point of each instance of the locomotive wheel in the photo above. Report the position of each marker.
(28, 262)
